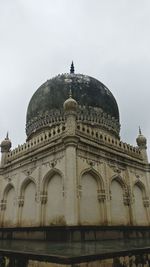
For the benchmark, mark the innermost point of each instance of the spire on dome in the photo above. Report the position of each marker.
(140, 132)
(7, 138)
(72, 68)
(70, 93)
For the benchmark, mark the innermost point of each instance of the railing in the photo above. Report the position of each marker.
(107, 139)
(37, 141)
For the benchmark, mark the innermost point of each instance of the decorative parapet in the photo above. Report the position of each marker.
(53, 118)
(98, 118)
(108, 140)
(82, 129)
(38, 141)
(94, 116)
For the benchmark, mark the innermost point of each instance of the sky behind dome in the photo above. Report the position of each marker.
(109, 40)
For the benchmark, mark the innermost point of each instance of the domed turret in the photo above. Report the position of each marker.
(93, 97)
(70, 104)
(141, 139)
(5, 144)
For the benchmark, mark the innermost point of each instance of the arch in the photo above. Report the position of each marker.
(139, 193)
(53, 210)
(141, 185)
(119, 211)
(6, 190)
(96, 176)
(25, 183)
(48, 176)
(120, 180)
(9, 215)
(91, 211)
(28, 206)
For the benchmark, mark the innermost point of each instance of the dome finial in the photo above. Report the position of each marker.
(72, 68)
(70, 93)
(140, 132)
(7, 136)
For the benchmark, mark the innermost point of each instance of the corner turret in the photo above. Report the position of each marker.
(5, 148)
(142, 144)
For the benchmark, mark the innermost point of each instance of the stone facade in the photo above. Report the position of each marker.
(74, 171)
(74, 174)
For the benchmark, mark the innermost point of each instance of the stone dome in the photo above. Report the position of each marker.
(89, 93)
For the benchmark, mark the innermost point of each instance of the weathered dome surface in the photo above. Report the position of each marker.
(87, 91)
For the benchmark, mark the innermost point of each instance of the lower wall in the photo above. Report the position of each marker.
(126, 261)
(74, 234)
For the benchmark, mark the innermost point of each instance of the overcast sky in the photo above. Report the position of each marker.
(107, 39)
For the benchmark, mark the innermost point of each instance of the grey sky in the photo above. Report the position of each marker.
(109, 40)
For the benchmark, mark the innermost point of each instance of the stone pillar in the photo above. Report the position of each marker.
(71, 212)
(70, 142)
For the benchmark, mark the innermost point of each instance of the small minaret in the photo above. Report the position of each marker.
(5, 148)
(142, 144)
(70, 108)
(70, 142)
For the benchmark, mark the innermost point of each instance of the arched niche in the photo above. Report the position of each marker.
(54, 206)
(119, 211)
(140, 210)
(28, 207)
(90, 210)
(9, 218)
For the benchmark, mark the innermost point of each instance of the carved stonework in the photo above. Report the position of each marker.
(116, 168)
(146, 202)
(53, 163)
(91, 163)
(138, 174)
(70, 125)
(43, 198)
(3, 204)
(28, 172)
(126, 199)
(79, 191)
(21, 201)
(101, 195)
(8, 178)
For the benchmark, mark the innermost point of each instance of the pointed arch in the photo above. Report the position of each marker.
(28, 203)
(53, 208)
(9, 201)
(139, 193)
(118, 205)
(48, 176)
(25, 183)
(142, 187)
(98, 178)
(91, 207)
(6, 190)
(120, 180)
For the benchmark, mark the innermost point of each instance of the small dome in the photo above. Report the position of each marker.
(141, 140)
(5, 145)
(70, 104)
